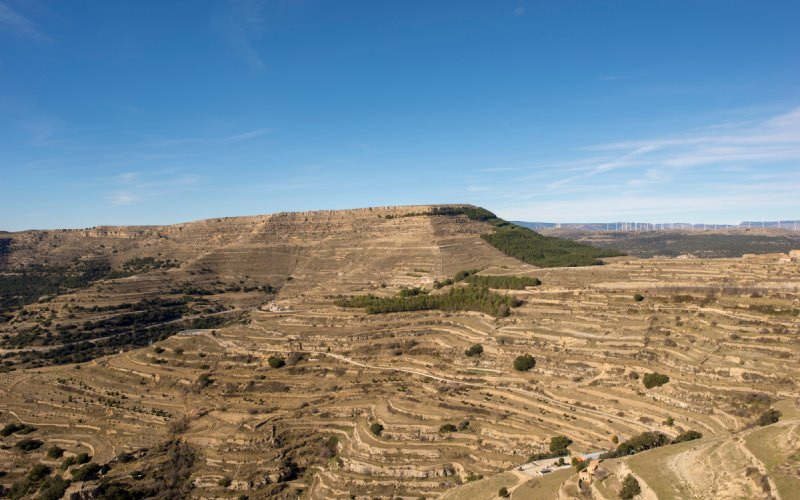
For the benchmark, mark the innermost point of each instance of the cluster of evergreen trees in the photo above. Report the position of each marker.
(504, 282)
(558, 448)
(544, 251)
(649, 440)
(470, 298)
(28, 285)
(460, 276)
(529, 246)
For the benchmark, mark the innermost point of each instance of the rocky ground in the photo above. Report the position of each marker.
(208, 413)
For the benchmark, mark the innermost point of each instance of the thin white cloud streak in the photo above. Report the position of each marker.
(243, 27)
(213, 141)
(130, 188)
(19, 25)
(745, 168)
(658, 208)
(773, 140)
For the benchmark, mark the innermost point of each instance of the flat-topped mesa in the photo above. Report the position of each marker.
(323, 245)
(150, 230)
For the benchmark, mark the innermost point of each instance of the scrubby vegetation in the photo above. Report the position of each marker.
(376, 429)
(145, 264)
(630, 488)
(14, 428)
(687, 436)
(28, 444)
(642, 442)
(524, 363)
(503, 282)
(769, 417)
(53, 488)
(135, 325)
(706, 246)
(651, 380)
(459, 277)
(276, 362)
(558, 448)
(31, 482)
(30, 284)
(86, 473)
(470, 298)
(474, 350)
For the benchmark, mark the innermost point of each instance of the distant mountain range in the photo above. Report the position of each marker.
(660, 226)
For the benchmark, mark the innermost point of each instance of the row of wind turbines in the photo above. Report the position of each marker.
(688, 226)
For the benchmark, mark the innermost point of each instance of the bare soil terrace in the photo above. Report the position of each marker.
(723, 330)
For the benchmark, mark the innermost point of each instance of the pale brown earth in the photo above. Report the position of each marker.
(720, 328)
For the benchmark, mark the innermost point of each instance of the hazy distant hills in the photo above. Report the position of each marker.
(792, 225)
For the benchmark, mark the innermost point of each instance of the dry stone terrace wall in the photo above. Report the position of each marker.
(720, 329)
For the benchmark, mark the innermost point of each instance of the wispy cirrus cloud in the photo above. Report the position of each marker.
(210, 141)
(15, 23)
(130, 188)
(242, 26)
(745, 144)
(749, 166)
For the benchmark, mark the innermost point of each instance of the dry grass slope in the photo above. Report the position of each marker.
(208, 406)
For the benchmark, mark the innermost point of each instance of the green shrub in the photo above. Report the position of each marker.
(448, 428)
(376, 429)
(651, 380)
(55, 452)
(559, 443)
(503, 282)
(474, 350)
(644, 441)
(687, 436)
(36, 475)
(462, 275)
(579, 464)
(38, 472)
(558, 448)
(524, 363)
(10, 429)
(86, 473)
(412, 292)
(82, 458)
(53, 488)
(28, 444)
(276, 361)
(769, 417)
(224, 482)
(638, 297)
(503, 492)
(630, 488)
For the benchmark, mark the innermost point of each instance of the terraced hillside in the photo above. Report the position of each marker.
(289, 395)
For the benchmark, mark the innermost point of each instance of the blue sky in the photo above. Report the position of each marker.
(153, 112)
